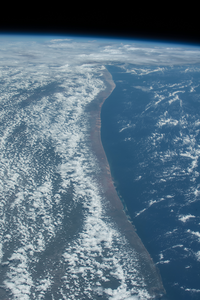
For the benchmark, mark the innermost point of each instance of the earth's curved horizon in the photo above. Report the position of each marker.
(69, 106)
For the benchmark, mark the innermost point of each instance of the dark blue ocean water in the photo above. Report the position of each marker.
(150, 133)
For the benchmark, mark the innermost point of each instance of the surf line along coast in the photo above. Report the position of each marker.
(116, 209)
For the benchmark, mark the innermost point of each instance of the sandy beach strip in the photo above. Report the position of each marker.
(116, 209)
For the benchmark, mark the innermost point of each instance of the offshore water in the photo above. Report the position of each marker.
(150, 133)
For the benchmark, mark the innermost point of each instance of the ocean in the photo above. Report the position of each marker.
(150, 133)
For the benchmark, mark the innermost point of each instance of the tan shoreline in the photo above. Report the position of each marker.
(116, 209)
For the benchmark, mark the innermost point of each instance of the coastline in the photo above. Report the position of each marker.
(116, 209)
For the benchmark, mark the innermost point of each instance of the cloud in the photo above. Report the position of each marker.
(79, 50)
